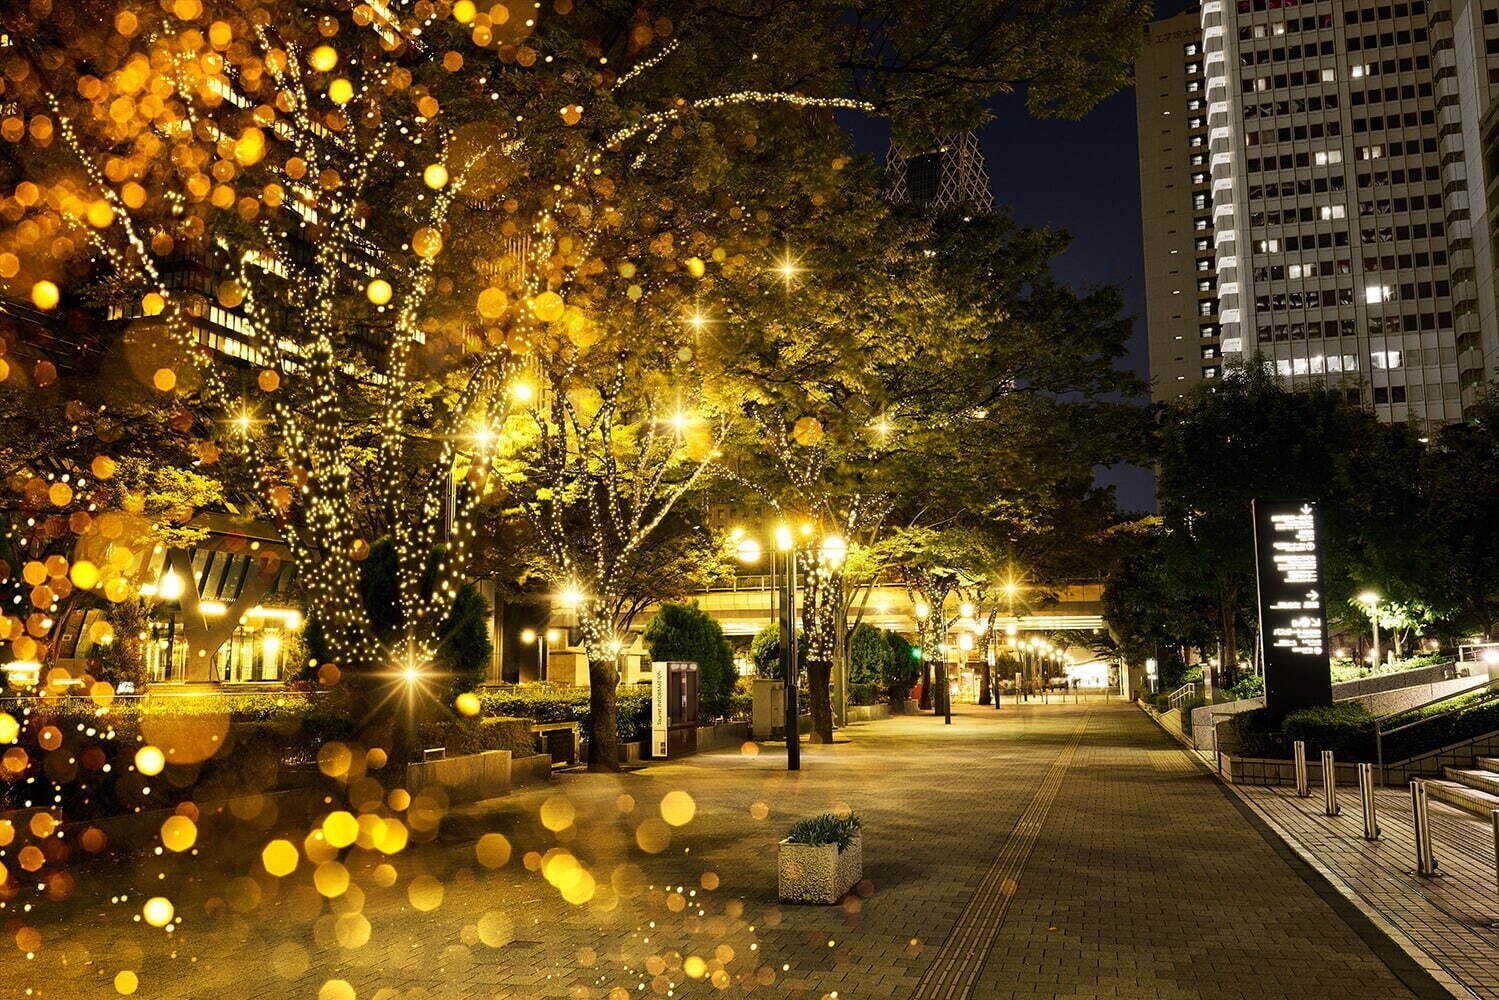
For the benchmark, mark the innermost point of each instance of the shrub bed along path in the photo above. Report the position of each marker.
(1137, 878)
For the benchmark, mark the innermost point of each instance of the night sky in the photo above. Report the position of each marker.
(1082, 177)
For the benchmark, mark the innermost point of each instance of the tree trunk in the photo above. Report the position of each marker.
(819, 672)
(603, 714)
(985, 695)
(926, 684)
(1228, 661)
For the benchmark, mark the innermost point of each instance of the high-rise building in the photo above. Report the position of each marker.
(1315, 194)
(1181, 297)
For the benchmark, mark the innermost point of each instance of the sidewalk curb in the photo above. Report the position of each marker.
(1418, 971)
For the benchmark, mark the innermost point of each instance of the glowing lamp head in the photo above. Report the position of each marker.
(784, 539)
(1368, 597)
(748, 551)
(412, 673)
(966, 609)
(834, 550)
(1011, 589)
(170, 586)
(528, 636)
(522, 391)
(965, 641)
(921, 610)
(570, 596)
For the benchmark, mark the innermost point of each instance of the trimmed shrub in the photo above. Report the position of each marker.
(461, 736)
(1346, 728)
(869, 655)
(901, 670)
(864, 694)
(543, 703)
(686, 633)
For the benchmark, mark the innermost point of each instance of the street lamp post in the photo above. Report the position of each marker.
(783, 580)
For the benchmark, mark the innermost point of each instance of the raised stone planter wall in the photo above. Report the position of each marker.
(467, 778)
(868, 713)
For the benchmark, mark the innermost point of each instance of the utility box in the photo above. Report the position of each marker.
(674, 712)
(768, 709)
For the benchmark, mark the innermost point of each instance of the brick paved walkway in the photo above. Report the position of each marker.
(1449, 919)
(1043, 851)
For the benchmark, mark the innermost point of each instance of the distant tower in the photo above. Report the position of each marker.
(950, 173)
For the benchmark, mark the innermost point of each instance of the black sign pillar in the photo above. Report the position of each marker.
(1293, 613)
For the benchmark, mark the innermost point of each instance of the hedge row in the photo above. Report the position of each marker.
(544, 703)
(1348, 730)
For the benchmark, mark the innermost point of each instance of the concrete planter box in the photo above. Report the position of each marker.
(532, 770)
(467, 778)
(868, 713)
(818, 873)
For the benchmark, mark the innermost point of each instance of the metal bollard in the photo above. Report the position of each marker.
(1298, 752)
(1366, 798)
(1330, 805)
(1426, 862)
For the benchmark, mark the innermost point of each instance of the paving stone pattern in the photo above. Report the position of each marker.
(1130, 876)
(1450, 919)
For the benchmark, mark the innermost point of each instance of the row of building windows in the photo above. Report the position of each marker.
(1310, 299)
(1307, 241)
(1295, 105)
(1289, 189)
(1312, 330)
(1311, 50)
(1436, 258)
(1379, 95)
(1409, 119)
(1404, 175)
(1293, 133)
(1384, 206)
(1290, 25)
(1410, 323)
(1290, 161)
(1385, 12)
(1415, 231)
(1310, 269)
(1259, 6)
(1296, 78)
(1403, 37)
(1288, 216)
(1408, 147)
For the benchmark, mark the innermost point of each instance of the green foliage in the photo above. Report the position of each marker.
(123, 660)
(765, 651)
(462, 736)
(825, 829)
(1346, 728)
(686, 633)
(463, 643)
(869, 655)
(1186, 711)
(464, 650)
(1252, 686)
(544, 703)
(902, 669)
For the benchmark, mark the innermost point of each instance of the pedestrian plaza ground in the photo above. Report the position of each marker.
(1038, 851)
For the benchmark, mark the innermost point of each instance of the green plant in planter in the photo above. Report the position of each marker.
(825, 829)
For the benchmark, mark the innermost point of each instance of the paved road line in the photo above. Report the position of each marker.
(952, 973)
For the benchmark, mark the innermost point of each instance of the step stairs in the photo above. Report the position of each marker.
(1474, 790)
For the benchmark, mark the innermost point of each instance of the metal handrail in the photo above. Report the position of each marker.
(1491, 694)
(1182, 694)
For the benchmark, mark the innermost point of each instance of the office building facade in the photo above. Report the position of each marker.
(1315, 196)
